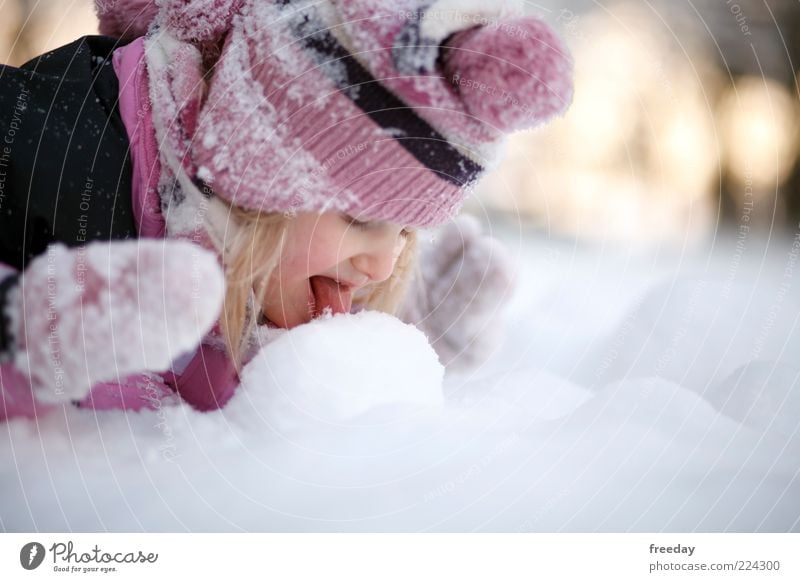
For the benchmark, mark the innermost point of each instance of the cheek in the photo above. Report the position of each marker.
(329, 246)
(297, 253)
(313, 245)
(313, 255)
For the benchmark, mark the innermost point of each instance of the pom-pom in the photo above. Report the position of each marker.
(513, 74)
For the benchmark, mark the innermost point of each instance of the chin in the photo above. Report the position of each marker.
(285, 320)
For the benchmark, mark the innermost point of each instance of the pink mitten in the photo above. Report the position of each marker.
(465, 279)
(100, 312)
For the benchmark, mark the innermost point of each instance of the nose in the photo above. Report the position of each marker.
(377, 261)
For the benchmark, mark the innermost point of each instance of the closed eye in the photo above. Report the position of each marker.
(365, 224)
(354, 222)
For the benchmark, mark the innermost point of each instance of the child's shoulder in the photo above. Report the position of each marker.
(65, 151)
(80, 69)
(86, 53)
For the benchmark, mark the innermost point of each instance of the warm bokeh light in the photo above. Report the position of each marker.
(49, 24)
(759, 120)
(9, 28)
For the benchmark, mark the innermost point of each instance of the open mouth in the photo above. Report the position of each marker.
(328, 293)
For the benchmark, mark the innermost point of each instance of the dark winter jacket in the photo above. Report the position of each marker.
(64, 157)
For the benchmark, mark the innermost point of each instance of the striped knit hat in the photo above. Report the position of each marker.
(381, 110)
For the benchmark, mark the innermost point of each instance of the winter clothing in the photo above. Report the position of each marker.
(332, 107)
(386, 111)
(64, 154)
(9, 279)
(63, 290)
(464, 281)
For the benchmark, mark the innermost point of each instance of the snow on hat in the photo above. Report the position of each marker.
(188, 20)
(385, 111)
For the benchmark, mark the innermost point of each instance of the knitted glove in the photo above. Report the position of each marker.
(100, 312)
(457, 296)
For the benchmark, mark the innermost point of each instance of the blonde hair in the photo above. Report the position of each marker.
(253, 252)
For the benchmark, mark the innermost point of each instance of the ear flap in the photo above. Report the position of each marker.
(197, 21)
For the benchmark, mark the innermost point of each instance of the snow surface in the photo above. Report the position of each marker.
(600, 413)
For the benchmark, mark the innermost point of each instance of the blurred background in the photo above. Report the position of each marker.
(685, 119)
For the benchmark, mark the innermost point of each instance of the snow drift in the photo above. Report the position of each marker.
(638, 390)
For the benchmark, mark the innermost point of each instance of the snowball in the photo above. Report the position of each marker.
(338, 368)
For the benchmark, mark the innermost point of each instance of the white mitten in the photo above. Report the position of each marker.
(465, 278)
(106, 310)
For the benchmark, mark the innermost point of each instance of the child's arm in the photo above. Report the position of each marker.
(208, 380)
(457, 298)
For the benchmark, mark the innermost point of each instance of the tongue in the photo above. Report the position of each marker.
(328, 293)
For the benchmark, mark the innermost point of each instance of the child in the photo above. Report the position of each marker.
(295, 145)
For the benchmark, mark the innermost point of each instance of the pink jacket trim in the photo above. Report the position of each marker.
(134, 107)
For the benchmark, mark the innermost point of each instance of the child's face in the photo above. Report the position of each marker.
(326, 258)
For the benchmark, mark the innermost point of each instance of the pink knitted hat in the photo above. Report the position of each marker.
(381, 110)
